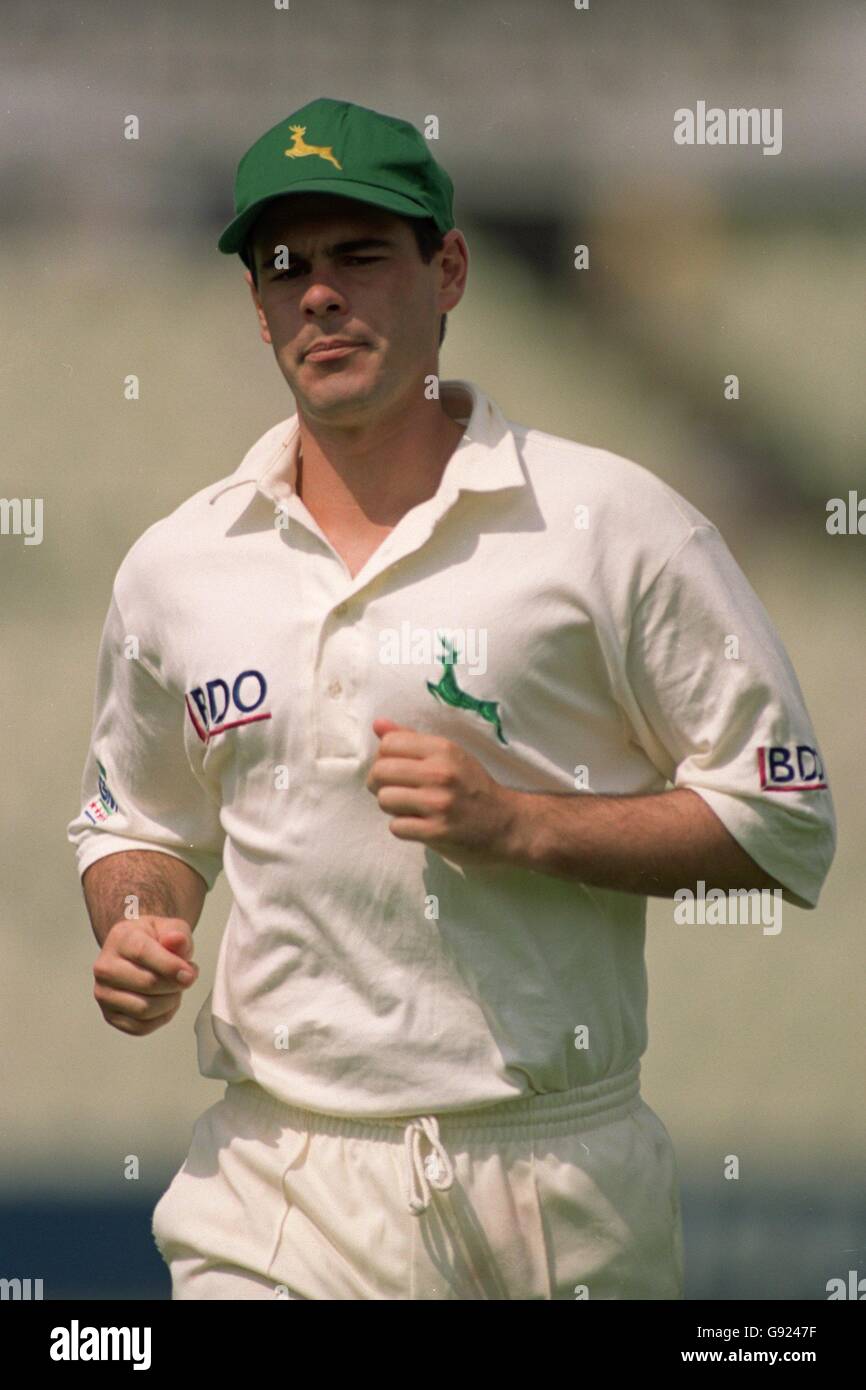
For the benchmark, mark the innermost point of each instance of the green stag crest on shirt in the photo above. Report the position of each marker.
(450, 693)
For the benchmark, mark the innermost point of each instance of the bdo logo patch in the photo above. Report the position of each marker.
(212, 707)
(790, 767)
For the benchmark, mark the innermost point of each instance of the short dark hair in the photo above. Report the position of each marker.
(428, 237)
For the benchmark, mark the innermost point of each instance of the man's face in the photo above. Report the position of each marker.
(354, 273)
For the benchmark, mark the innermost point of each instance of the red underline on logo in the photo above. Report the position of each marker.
(205, 734)
(798, 787)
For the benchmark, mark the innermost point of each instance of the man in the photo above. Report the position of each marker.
(447, 697)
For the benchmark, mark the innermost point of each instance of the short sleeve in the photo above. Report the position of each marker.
(716, 705)
(138, 789)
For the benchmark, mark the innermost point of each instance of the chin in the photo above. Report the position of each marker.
(338, 391)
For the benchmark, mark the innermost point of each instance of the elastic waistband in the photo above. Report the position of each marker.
(545, 1113)
(555, 1112)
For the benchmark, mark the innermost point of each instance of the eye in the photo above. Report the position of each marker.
(294, 271)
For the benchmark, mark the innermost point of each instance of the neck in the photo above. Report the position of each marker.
(375, 470)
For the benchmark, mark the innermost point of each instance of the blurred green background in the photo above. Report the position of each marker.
(556, 127)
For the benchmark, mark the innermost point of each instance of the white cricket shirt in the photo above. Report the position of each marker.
(590, 609)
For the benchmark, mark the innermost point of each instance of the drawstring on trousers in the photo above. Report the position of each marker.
(435, 1170)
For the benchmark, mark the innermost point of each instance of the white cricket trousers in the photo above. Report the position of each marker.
(566, 1195)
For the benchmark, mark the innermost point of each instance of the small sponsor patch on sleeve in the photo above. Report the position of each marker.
(790, 767)
(103, 805)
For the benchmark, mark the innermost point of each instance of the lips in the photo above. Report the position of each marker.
(331, 348)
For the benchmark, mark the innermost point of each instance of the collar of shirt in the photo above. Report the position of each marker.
(485, 459)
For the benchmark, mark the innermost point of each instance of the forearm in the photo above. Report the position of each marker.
(141, 883)
(652, 845)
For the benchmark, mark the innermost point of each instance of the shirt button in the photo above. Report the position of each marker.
(334, 688)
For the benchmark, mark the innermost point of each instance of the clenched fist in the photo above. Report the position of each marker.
(142, 971)
(442, 796)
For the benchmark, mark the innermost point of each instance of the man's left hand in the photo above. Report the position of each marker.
(441, 795)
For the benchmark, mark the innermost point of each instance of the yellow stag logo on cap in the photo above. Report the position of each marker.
(300, 148)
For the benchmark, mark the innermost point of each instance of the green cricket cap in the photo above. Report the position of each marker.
(337, 147)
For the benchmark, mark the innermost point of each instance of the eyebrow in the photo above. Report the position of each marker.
(339, 248)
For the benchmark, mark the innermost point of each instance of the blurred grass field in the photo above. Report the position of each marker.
(755, 1042)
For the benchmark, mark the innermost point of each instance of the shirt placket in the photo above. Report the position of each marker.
(341, 658)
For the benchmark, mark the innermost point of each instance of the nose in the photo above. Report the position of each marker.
(322, 300)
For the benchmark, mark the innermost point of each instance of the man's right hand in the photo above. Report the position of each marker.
(142, 971)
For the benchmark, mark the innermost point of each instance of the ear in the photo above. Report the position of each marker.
(453, 270)
(264, 331)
